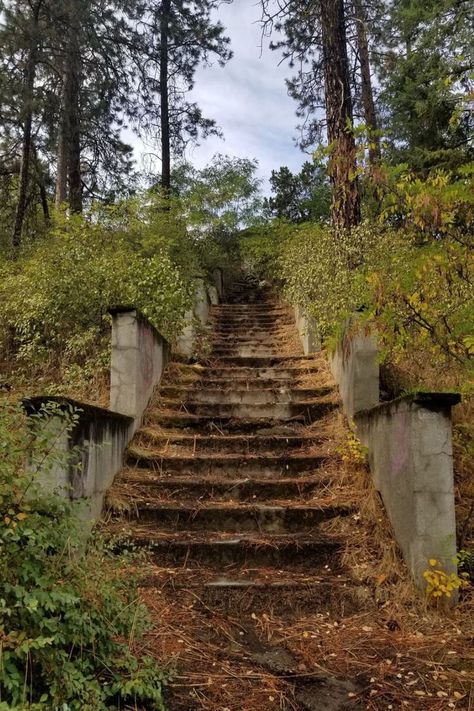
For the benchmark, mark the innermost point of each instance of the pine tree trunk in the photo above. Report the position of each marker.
(164, 99)
(63, 143)
(68, 176)
(26, 144)
(74, 163)
(339, 116)
(366, 83)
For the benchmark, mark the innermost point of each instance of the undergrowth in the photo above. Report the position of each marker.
(70, 625)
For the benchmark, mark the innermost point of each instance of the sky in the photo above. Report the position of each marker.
(248, 99)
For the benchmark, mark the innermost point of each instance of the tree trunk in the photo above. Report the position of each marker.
(29, 86)
(41, 185)
(63, 143)
(339, 116)
(366, 83)
(68, 176)
(75, 176)
(164, 99)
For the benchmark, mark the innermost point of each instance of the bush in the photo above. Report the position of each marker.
(66, 616)
(54, 298)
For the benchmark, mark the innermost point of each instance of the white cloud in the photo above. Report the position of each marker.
(248, 97)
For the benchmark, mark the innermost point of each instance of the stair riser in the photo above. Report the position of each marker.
(285, 445)
(223, 425)
(248, 397)
(261, 470)
(241, 411)
(236, 373)
(291, 603)
(216, 555)
(240, 521)
(245, 492)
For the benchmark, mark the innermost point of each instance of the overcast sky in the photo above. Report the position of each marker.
(248, 98)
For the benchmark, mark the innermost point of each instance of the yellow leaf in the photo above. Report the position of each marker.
(433, 561)
(21, 516)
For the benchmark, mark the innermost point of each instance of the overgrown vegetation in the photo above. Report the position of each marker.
(70, 625)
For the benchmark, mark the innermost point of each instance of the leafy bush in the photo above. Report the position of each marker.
(419, 293)
(54, 298)
(66, 616)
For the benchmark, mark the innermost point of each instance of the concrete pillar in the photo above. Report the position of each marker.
(308, 331)
(139, 355)
(411, 459)
(355, 366)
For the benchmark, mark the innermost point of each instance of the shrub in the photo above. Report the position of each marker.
(66, 616)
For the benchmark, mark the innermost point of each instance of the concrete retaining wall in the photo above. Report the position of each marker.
(409, 443)
(410, 454)
(205, 296)
(139, 356)
(98, 441)
(307, 330)
(86, 459)
(355, 366)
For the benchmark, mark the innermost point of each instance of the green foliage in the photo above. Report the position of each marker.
(54, 298)
(67, 616)
(426, 79)
(417, 292)
(302, 196)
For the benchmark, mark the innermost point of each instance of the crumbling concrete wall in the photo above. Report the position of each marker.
(205, 296)
(87, 458)
(409, 442)
(307, 330)
(139, 356)
(355, 366)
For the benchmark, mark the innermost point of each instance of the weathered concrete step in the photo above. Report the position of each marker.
(245, 352)
(272, 361)
(236, 517)
(245, 444)
(215, 550)
(264, 307)
(291, 600)
(244, 383)
(255, 466)
(209, 396)
(311, 410)
(213, 424)
(274, 371)
(138, 484)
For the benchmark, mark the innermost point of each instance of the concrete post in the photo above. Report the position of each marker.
(355, 366)
(198, 314)
(139, 355)
(410, 453)
(308, 331)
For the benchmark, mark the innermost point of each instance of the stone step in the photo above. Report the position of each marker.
(210, 424)
(255, 466)
(269, 361)
(243, 590)
(137, 484)
(310, 410)
(244, 383)
(215, 550)
(209, 396)
(234, 517)
(245, 352)
(246, 444)
(232, 373)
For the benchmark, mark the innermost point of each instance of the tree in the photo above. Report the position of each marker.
(300, 197)
(221, 198)
(177, 37)
(427, 86)
(315, 38)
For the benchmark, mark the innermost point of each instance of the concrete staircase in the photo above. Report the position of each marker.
(226, 482)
